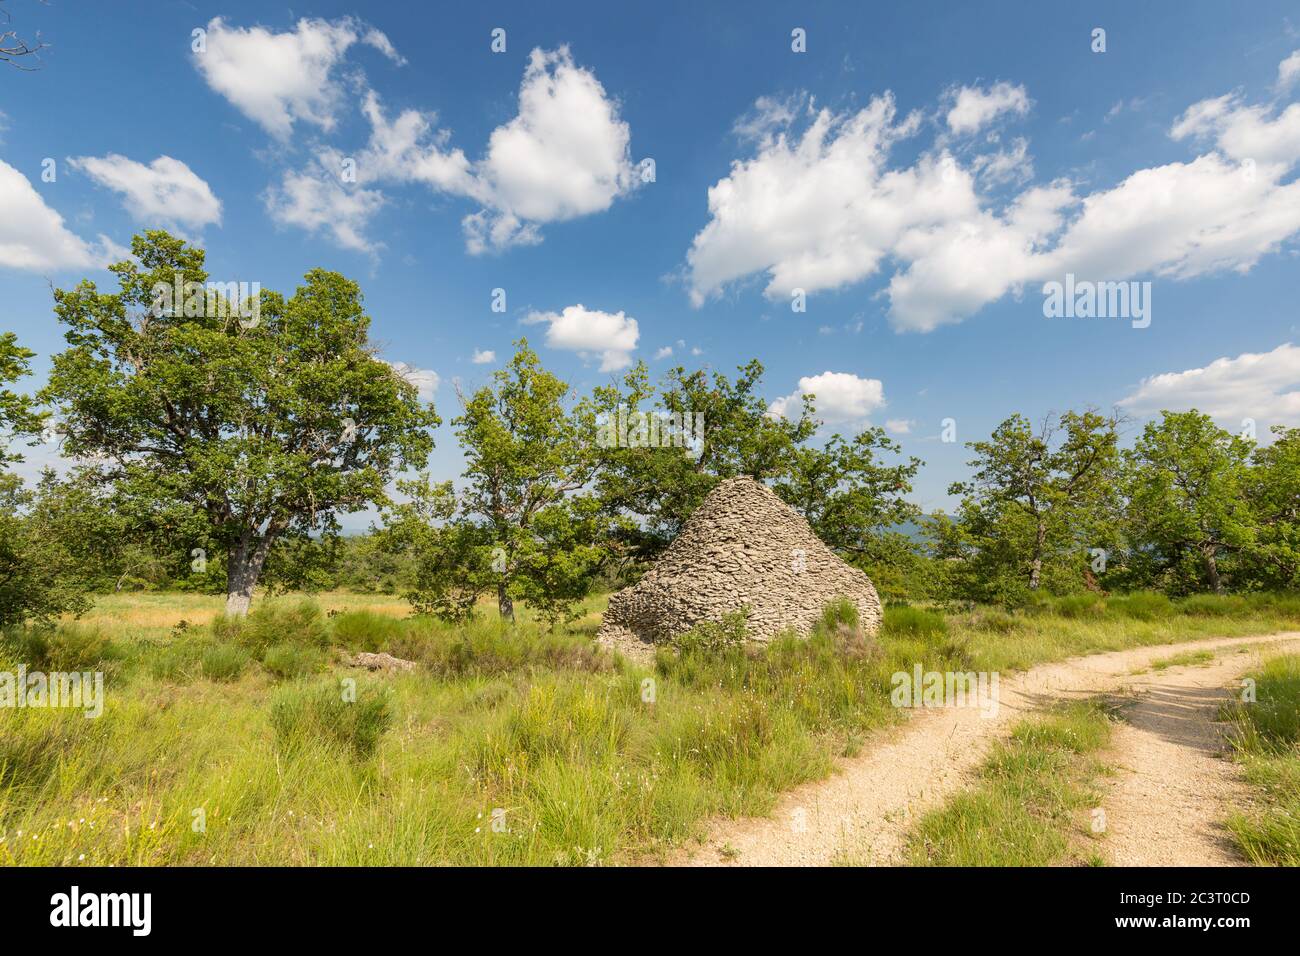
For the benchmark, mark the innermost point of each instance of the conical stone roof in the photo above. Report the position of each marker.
(743, 547)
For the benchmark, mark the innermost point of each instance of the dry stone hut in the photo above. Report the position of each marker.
(743, 547)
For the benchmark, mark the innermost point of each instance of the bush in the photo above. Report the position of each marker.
(1087, 604)
(301, 715)
(715, 637)
(223, 662)
(276, 622)
(290, 661)
(366, 630)
(482, 648)
(914, 623)
(1213, 605)
(64, 648)
(1142, 606)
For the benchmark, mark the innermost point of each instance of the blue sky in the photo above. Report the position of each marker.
(920, 171)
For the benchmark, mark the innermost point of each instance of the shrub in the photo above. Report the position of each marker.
(300, 715)
(223, 662)
(483, 648)
(63, 648)
(290, 661)
(1141, 606)
(1087, 604)
(1213, 605)
(714, 637)
(276, 622)
(366, 630)
(914, 623)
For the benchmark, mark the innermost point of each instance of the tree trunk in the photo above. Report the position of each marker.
(1036, 565)
(243, 568)
(504, 604)
(1212, 568)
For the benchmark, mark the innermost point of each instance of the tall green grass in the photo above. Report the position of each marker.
(1267, 742)
(505, 745)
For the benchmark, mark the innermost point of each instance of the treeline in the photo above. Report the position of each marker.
(215, 453)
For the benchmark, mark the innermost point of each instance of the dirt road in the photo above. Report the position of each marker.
(1170, 791)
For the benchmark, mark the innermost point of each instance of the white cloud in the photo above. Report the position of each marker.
(1288, 71)
(664, 352)
(610, 335)
(839, 396)
(974, 108)
(317, 202)
(484, 356)
(899, 426)
(565, 154)
(822, 210)
(1011, 165)
(425, 380)
(1264, 386)
(166, 191)
(277, 79)
(33, 236)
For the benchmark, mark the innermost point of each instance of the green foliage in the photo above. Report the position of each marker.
(1038, 502)
(297, 622)
(1186, 481)
(1142, 606)
(366, 630)
(291, 661)
(714, 637)
(322, 714)
(65, 647)
(196, 404)
(914, 623)
(1085, 605)
(223, 662)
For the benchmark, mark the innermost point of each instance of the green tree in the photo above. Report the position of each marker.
(266, 424)
(526, 452)
(1187, 482)
(1275, 492)
(661, 487)
(37, 582)
(1038, 495)
(854, 500)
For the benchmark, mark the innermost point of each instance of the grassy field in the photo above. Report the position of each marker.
(1267, 743)
(235, 744)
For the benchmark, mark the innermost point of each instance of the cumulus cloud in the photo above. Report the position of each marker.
(821, 209)
(166, 191)
(317, 202)
(1261, 385)
(899, 426)
(33, 236)
(974, 108)
(664, 352)
(278, 79)
(484, 356)
(839, 397)
(1288, 71)
(612, 336)
(425, 380)
(565, 154)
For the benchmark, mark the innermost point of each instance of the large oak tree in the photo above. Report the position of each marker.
(265, 427)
